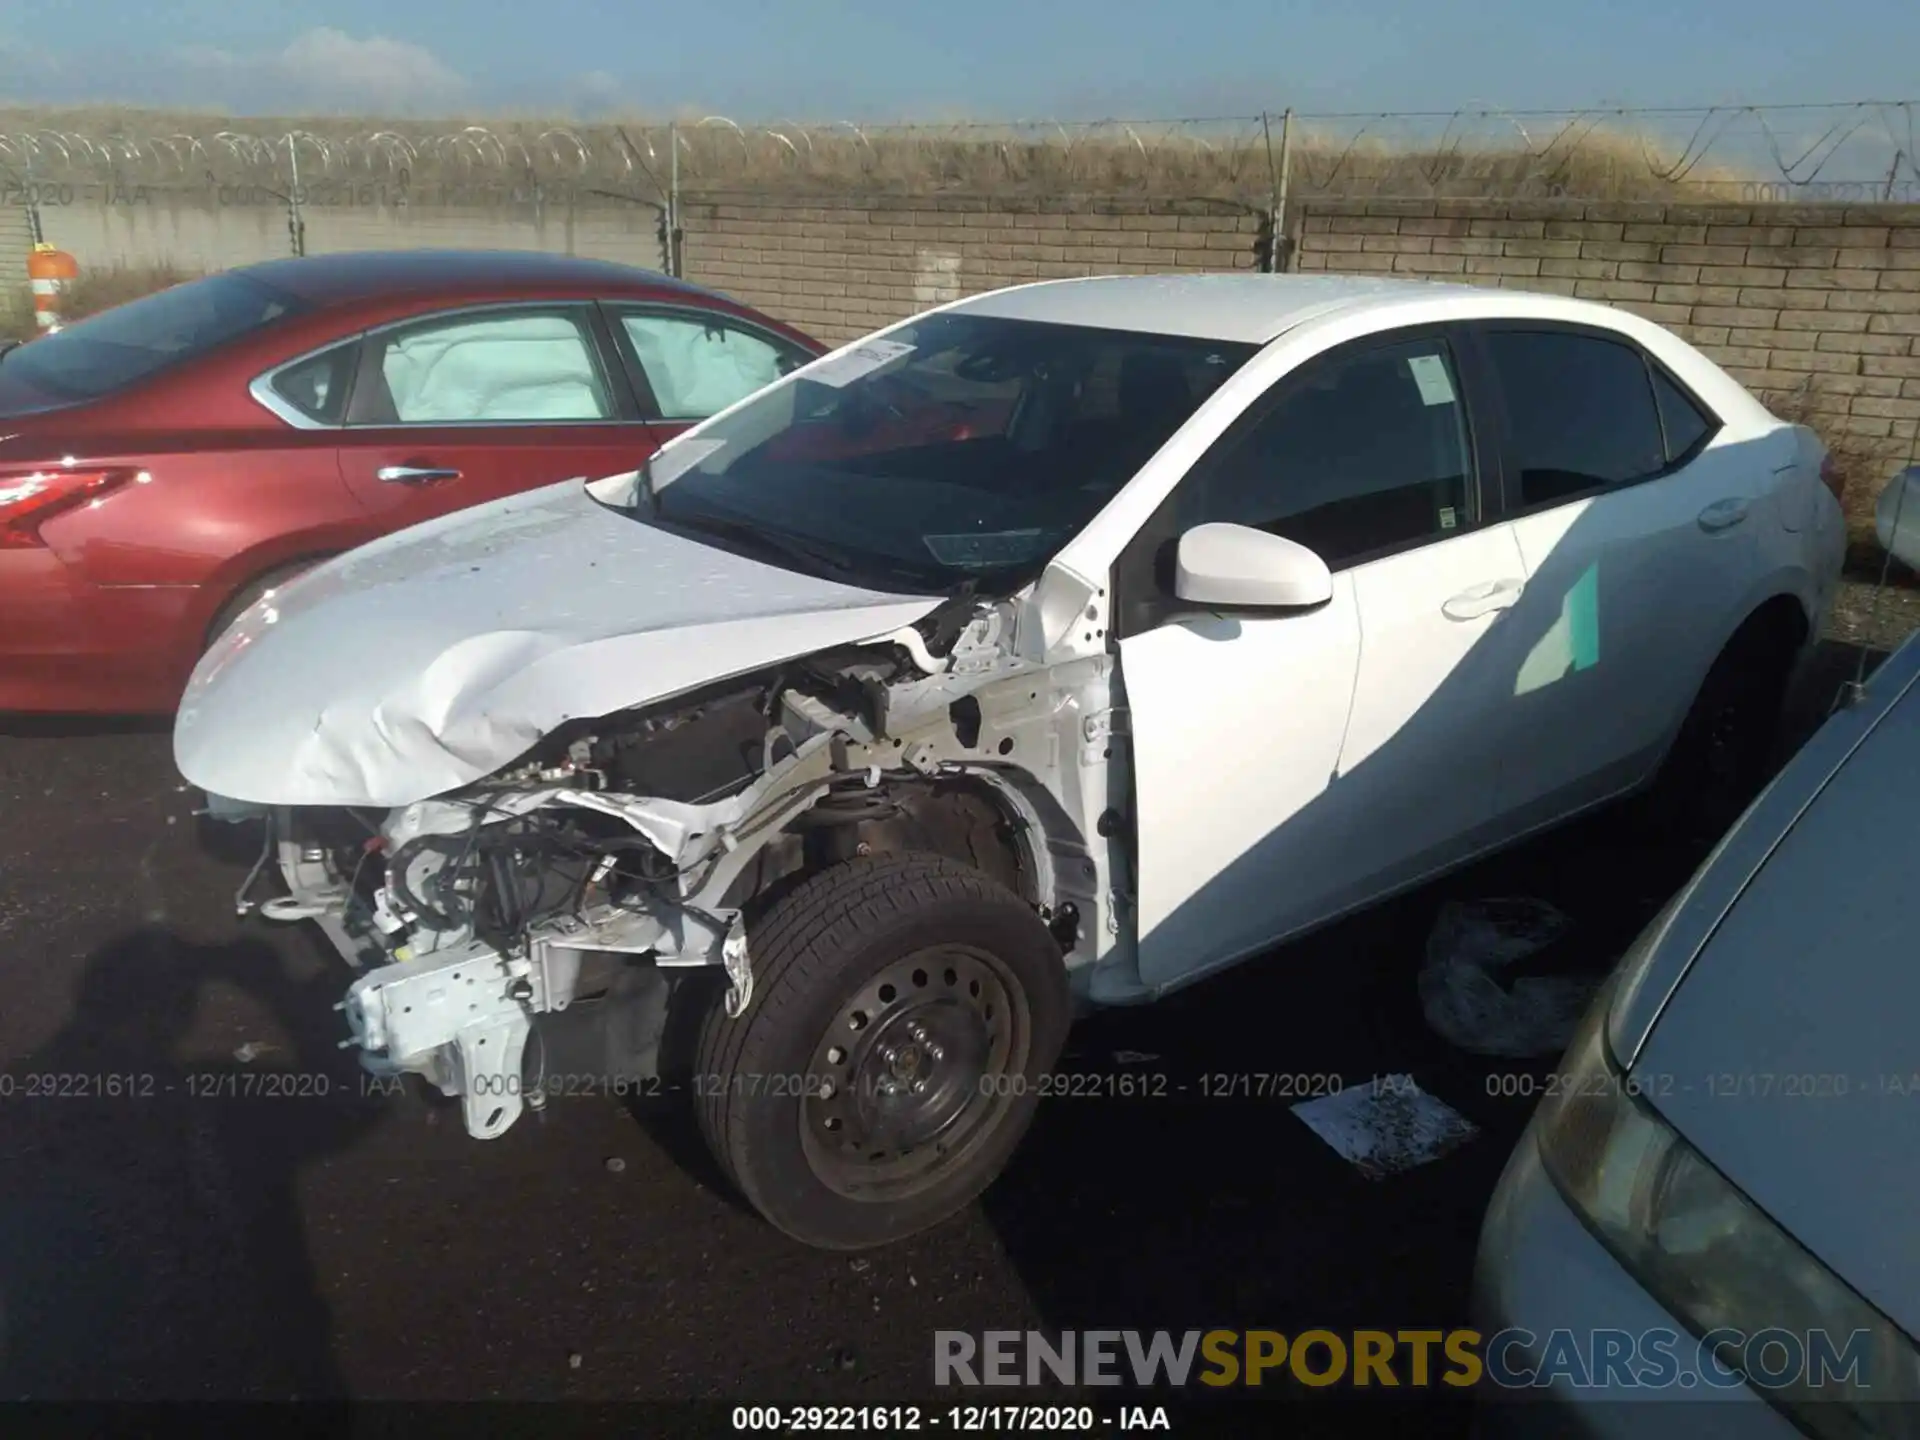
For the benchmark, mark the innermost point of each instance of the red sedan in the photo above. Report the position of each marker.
(164, 462)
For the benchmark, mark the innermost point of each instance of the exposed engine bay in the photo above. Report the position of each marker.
(624, 853)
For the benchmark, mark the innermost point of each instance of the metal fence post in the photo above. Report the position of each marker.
(1282, 250)
(673, 201)
(1278, 173)
(296, 226)
(35, 235)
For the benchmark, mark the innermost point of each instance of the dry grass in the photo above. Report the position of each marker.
(1229, 159)
(95, 290)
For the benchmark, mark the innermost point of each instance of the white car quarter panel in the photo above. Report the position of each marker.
(1236, 728)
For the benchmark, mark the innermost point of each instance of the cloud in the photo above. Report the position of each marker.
(322, 70)
(376, 72)
(597, 92)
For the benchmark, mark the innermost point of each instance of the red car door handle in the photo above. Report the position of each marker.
(414, 474)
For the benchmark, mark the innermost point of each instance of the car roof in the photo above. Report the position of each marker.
(1253, 308)
(369, 274)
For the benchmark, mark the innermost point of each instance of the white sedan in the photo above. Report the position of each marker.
(1051, 649)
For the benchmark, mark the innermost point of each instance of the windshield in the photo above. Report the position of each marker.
(961, 448)
(109, 351)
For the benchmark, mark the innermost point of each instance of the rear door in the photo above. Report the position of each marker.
(685, 364)
(466, 406)
(1635, 529)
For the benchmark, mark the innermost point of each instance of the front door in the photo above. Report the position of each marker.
(1285, 762)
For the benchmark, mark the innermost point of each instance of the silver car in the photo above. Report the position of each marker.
(1716, 1200)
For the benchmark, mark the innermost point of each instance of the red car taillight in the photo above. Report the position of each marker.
(29, 500)
(1831, 477)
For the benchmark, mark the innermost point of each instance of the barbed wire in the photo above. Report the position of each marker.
(1870, 146)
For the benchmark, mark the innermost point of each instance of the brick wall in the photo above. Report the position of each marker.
(1822, 303)
(1818, 302)
(838, 266)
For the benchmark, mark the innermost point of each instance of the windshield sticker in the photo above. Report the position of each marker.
(862, 359)
(987, 549)
(677, 457)
(1430, 374)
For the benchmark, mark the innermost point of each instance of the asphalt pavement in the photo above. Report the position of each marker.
(226, 1209)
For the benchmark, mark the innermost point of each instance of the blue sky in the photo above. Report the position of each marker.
(866, 60)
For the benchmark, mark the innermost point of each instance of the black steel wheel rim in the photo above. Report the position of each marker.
(914, 1071)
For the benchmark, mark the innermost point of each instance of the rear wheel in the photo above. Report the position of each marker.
(1721, 757)
(887, 1064)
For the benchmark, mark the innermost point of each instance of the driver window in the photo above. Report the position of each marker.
(699, 365)
(1360, 451)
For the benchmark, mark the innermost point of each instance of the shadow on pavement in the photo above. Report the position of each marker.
(151, 1242)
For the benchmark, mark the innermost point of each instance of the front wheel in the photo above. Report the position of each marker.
(903, 1010)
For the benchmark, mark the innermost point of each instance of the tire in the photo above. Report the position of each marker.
(1724, 750)
(243, 598)
(872, 975)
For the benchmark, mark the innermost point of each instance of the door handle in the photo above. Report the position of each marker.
(414, 474)
(1483, 599)
(1723, 515)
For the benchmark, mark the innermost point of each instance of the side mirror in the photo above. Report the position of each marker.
(1237, 566)
(1897, 517)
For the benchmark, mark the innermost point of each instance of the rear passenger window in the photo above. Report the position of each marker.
(317, 386)
(1686, 428)
(477, 367)
(1364, 451)
(1581, 410)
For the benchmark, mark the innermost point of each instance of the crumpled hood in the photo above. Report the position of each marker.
(431, 658)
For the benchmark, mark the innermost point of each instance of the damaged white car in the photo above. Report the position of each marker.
(1048, 650)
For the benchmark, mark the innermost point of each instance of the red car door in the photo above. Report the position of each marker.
(466, 406)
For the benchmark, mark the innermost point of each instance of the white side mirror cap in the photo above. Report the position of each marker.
(1897, 517)
(1234, 565)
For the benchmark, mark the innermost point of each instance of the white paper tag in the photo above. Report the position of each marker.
(1387, 1126)
(862, 359)
(1430, 374)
